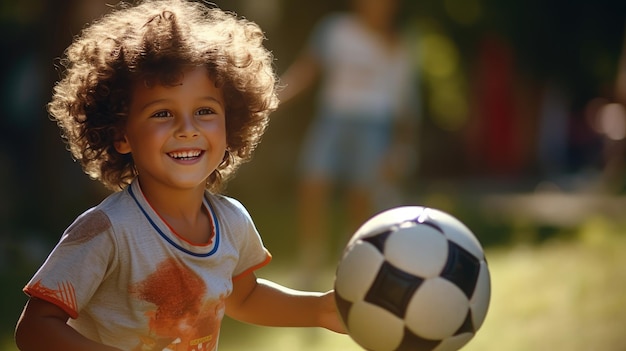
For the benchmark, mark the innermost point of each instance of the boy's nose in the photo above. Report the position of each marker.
(186, 127)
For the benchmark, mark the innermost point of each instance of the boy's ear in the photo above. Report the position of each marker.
(122, 145)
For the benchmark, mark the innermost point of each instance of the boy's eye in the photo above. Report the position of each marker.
(205, 111)
(161, 114)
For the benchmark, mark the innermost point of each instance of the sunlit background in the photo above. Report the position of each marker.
(522, 136)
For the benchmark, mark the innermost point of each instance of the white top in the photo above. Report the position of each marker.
(127, 280)
(362, 75)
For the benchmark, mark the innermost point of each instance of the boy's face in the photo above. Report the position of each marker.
(176, 134)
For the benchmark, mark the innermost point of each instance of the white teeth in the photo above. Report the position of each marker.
(185, 154)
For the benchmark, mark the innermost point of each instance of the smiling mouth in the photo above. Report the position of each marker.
(185, 155)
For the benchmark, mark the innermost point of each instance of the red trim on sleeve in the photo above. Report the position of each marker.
(267, 260)
(64, 297)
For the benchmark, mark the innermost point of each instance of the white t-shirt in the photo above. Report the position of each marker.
(127, 280)
(362, 76)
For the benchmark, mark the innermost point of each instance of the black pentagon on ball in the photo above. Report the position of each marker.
(467, 326)
(412, 342)
(430, 223)
(378, 240)
(393, 289)
(462, 269)
(343, 306)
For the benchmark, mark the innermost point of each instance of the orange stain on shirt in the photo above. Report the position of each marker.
(182, 319)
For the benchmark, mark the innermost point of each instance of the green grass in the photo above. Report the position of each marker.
(563, 294)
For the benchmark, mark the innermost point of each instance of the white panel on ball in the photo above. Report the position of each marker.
(456, 231)
(419, 249)
(357, 271)
(437, 310)
(454, 343)
(375, 328)
(480, 300)
(385, 220)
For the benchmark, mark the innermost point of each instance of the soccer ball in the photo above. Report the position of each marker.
(412, 278)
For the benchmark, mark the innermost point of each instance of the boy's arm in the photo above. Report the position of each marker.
(262, 302)
(43, 326)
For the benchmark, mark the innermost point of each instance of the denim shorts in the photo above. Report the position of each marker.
(346, 149)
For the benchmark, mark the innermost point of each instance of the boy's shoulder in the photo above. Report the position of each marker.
(228, 207)
(224, 201)
(87, 226)
(117, 204)
(99, 218)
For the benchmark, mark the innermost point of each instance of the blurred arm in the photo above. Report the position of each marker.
(299, 76)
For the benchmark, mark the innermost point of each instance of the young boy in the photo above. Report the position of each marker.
(162, 102)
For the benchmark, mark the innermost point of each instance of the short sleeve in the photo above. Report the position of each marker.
(251, 250)
(77, 265)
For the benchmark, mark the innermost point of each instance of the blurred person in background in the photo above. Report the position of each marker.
(362, 138)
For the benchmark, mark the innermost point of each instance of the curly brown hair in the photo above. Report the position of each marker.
(154, 40)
